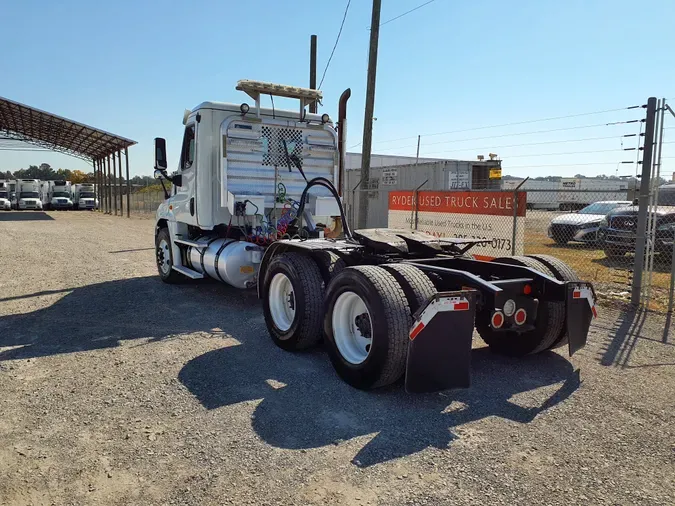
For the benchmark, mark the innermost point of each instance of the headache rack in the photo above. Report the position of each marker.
(255, 89)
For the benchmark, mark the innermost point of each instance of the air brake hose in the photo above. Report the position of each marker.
(326, 183)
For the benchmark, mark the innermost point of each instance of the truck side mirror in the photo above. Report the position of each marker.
(160, 154)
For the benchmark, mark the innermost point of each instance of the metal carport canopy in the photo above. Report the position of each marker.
(49, 131)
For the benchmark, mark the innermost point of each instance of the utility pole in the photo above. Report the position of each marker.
(370, 109)
(643, 200)
(312, 70)
(417, 158)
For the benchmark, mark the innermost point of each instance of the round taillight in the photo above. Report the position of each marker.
(497, 319)
(520, 317)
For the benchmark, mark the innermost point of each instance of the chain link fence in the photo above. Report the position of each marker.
(591, 225)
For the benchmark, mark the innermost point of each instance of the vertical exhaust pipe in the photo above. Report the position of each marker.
(342, 137)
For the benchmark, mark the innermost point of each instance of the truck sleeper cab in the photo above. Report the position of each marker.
(254, 203)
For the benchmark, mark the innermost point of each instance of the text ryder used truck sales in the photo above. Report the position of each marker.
(468, 215)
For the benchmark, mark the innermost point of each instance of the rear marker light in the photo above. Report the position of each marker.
(527, 289)
(497, 320)
(520, 317)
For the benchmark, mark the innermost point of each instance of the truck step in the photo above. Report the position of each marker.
(187, 272)
(194, 244)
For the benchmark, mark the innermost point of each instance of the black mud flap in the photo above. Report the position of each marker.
(580, 312)
(439, 354)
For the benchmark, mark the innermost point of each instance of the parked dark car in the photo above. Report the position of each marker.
(618, 231)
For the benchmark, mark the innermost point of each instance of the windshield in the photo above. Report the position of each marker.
(602, 207)
(87, 195)
(61, 194)
(3, 195)
(667, 197)
(29, 195)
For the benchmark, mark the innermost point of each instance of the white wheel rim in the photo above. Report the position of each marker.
(352, 328)
(281, 301)
(164, 256)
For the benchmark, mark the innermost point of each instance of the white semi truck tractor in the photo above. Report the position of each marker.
(84, 196)
(60, 195)
(28, 194)
(5, 199)
(256, 203)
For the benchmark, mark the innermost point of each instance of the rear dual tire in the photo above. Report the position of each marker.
(366, 306)
(364, 313)
(549, 324)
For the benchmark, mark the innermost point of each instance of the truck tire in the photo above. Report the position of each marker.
(562, 272)
(164, 258)
(330, 264)
(549, 325)
(417, 287)
(366, 326)
(293, 301)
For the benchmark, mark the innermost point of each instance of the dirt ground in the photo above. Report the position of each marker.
(118, 389)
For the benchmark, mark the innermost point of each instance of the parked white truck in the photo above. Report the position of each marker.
(5, 200)
(60, 195)
(387, 303)
(28, 194)
(84, 196)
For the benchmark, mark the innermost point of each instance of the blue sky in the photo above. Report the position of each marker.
(132, 67)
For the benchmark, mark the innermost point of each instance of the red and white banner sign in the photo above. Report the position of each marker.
(464, 214)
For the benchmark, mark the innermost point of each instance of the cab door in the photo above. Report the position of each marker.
(183, 200)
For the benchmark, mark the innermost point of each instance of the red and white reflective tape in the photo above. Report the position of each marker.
(585, 292)
(438, 306)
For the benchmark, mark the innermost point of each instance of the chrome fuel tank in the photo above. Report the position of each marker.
(228, 260)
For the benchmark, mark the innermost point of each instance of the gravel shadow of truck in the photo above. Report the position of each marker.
(305, 405)
(101, 315)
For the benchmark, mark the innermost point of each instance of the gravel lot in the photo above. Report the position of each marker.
(118, 389)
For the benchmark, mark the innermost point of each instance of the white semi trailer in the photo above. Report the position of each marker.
(571, 193)
(84, 196)
(244, 210)
(28, 194)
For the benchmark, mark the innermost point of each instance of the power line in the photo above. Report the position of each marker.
(509, 167)
(567, 153)
(555, 118)
(578, 127)
(336, 43)
(408, 12)
(531, 144)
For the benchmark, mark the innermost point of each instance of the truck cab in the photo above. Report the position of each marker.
(242, 169)
(84, 196)
(28, 194)
(60, 195)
